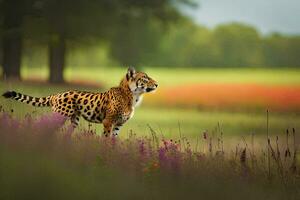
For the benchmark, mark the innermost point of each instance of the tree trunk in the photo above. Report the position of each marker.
(11, 41)
(12, 57)
(57, 49)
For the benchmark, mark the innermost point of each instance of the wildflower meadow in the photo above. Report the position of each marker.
(44, 158)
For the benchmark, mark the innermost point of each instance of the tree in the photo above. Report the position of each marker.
(61, 22)
(59, 16)
(282, 51)
(134, 41)
(118, 21)
(13, 14)
(138, 31)
(74, 21)
(12, 17)
(239, 45)
(188, 44)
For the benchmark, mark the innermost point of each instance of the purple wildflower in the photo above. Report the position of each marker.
(49, 122)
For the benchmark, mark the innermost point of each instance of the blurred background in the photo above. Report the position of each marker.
(220, 64)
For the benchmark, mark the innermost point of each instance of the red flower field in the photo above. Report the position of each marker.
(239, 96)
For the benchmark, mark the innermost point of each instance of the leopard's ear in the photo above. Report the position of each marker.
(130, 73)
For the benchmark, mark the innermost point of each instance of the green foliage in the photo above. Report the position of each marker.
(143, 41)
(186, 44)
(238, 45)
(142, 33)
(135, 41)
(138, 27)
(145, 33)
(281, 51)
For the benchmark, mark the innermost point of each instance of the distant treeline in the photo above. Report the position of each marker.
(184, 45)
(188, 44)
(57, 33)
(229, 45)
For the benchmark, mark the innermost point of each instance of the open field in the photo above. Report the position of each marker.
(231, 89)
(192, 122)
(178, 76)
(160, 110)
(168, 150)
(41, 160)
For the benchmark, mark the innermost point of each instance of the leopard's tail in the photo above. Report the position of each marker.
(34, 101)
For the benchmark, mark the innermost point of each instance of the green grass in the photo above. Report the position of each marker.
(166, 77)
(167, 120)
(39, 160)
(192, 122)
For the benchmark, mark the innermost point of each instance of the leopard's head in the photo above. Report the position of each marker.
(140, 82)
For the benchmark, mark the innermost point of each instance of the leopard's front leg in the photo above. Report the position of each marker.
(107, 127)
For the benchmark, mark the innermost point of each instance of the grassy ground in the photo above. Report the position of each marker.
(41, 160)
(167, 120)
(223, 89)
(166, 77)
(191, 123)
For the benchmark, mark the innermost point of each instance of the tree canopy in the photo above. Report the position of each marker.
(59, 22)
(130, 32)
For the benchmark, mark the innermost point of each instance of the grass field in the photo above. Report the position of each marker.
(167, 119)
(191, 123)
(231, 89)
(178, 76)
(168, 150)
(40, 159)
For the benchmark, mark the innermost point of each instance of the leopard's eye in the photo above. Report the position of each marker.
(145, 80)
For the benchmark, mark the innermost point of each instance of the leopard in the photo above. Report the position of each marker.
(113, 108)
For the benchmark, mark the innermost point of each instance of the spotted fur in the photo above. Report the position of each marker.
(112, 108)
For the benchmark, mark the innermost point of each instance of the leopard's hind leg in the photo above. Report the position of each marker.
(69, 110)
(75, 120)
